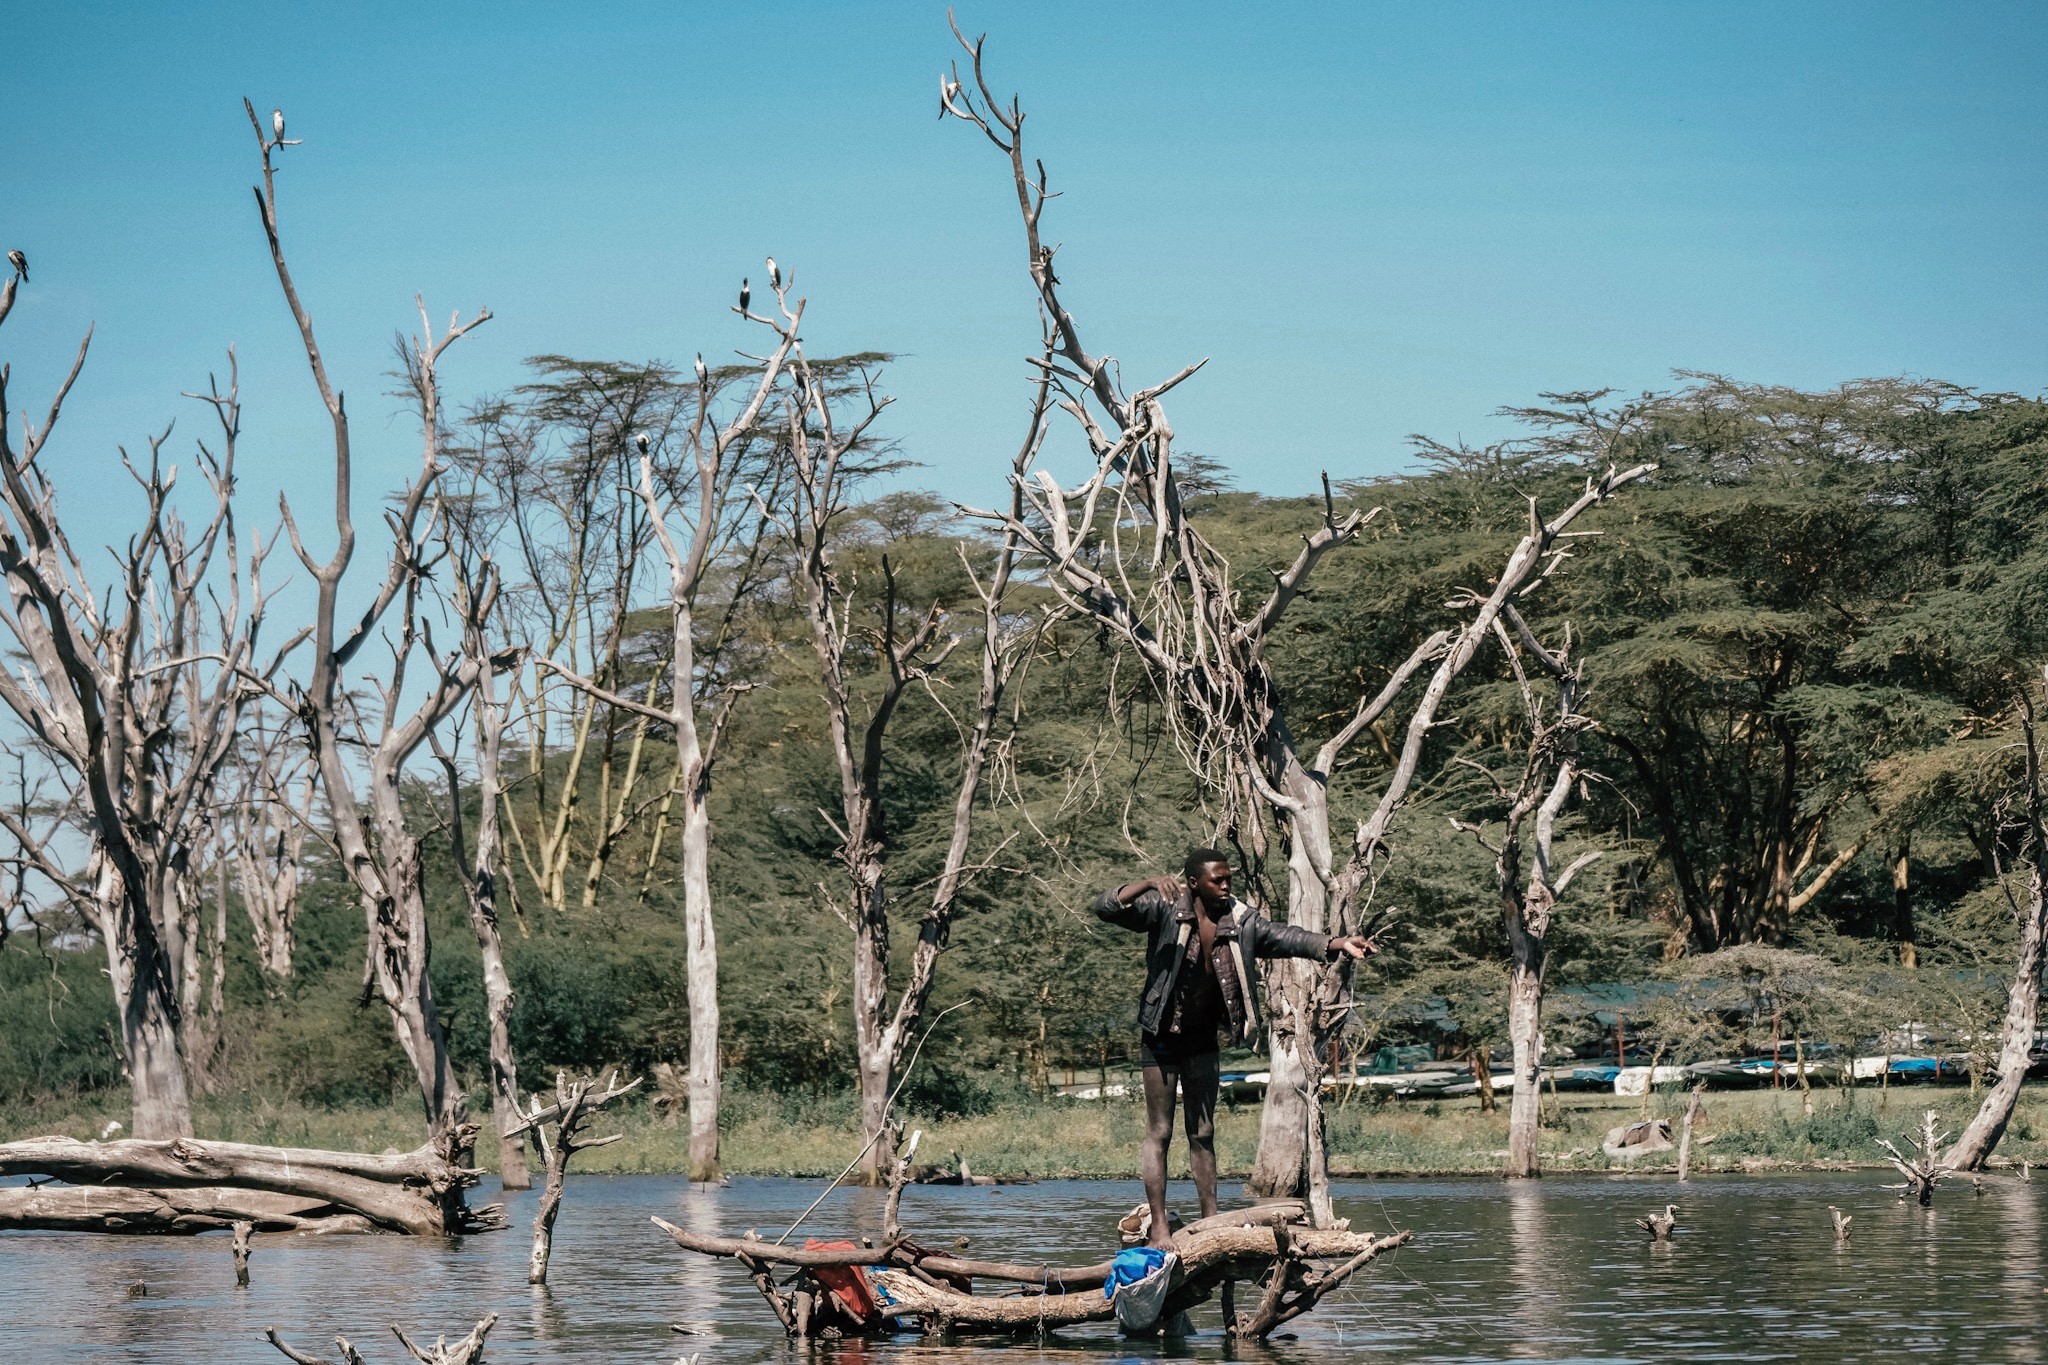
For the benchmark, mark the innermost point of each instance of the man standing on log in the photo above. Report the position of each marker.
(1200, 977)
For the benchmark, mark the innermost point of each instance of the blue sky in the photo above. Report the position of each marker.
(1375, 219)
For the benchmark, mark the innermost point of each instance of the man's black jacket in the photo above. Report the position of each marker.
(1243, 936)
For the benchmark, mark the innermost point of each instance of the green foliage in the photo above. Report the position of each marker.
(1804, 637)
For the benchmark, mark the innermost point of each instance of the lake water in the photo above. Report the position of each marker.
(1551, 1270)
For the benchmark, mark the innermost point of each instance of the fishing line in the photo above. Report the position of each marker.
(908, 1067)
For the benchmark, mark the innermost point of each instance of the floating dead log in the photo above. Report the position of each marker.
(113, 1208)
(831, 1290)
(189, 1185)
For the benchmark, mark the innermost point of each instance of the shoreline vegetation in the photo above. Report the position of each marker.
(1025, 1137)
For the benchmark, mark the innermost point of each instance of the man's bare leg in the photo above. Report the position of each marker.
(1198, 1083)
(1160, 1084)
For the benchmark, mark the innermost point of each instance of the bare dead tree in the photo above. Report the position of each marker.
(692, 544)
(1550, 771)
(1170, 599)
(373, 839)
(2029, 905)
(475, 581)
(819, 449)
(1926, 1167)
(263, 826)
(573, 1106)
(134, 697)
(910, 646)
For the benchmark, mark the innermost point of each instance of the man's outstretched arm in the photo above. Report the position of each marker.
(1130, 907)
(1289, 940)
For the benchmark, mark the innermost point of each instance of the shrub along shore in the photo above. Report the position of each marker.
(815, 1136)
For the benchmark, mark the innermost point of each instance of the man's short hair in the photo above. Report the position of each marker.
(1199, 858)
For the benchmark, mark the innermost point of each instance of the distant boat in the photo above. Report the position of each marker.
(1637, 1080)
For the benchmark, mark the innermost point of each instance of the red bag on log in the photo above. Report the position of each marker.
(848, 1283)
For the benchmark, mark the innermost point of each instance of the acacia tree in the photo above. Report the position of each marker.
(135, 698)
(1171, 600)
(557, 463)
(711, 479)
(373, 838)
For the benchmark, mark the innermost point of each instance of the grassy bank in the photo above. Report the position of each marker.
(815, 1136)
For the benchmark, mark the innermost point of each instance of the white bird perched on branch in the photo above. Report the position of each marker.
(948, 87)
(277, 125)
(702, 375)
(20, 264)
(774, 274)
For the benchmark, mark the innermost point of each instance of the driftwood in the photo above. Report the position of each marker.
(468, 1351)
(1258, 1244)
(114, 1208)
(165, 1186)
(1206, 1260)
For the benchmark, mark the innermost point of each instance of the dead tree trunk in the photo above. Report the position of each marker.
(476, 592)
(820, 451)
(1549, 772)
(718, 464)
(573, 1105)
(2030, 908)
(132, 696)
(1172, 602)
(376, 846)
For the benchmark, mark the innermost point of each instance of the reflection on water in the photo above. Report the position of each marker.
(1553, 1270)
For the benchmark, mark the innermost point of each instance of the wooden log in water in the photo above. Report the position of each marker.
(120, 1209)
(1206, 1259)
(416, 1192)
(768, 1252)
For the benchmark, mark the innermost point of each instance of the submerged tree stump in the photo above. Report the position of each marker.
(467, 1351)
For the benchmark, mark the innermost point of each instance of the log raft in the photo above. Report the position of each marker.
(187, 1185)
(1293, 1266)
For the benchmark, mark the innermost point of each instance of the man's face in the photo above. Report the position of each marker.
(1212, 885)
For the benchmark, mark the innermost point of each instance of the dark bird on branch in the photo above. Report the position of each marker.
(640, 443)
(1659, 1225)
(20, 264)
